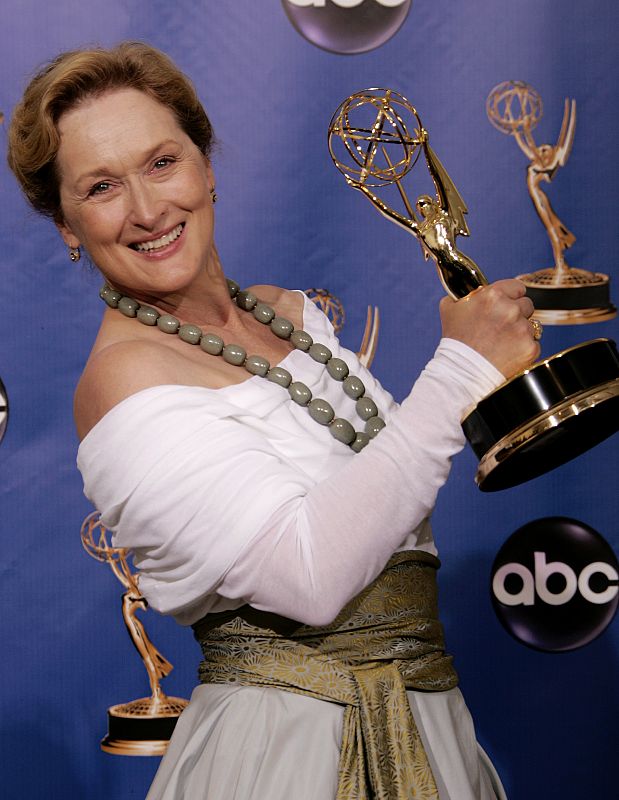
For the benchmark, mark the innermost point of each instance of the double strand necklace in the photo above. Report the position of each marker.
(319, 410)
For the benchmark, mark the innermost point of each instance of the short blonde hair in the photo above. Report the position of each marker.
(75, 76)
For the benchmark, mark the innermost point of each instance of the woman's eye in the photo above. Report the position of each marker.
(99, 188)
(160, 163)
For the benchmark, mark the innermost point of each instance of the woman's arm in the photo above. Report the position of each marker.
(316, 552)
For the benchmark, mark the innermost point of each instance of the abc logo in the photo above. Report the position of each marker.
(347, 26)
(555, 584)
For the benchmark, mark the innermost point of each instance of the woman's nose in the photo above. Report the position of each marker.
(146, 206)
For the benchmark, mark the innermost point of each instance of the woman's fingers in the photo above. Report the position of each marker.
(512, 287)
(494, 320)
(526, 306)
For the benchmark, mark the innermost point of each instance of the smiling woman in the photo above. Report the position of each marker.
(297, 547)
(135, 191)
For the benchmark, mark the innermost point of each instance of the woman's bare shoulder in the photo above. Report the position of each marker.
(118, 371)
(286, 302)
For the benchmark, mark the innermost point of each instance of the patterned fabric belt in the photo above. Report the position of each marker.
(387, 639)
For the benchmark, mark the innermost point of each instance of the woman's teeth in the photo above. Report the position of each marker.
(156, 244)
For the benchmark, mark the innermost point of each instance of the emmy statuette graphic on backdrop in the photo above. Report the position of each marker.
(333, 309)
(562, 295)
(540, 418)
(140, 727)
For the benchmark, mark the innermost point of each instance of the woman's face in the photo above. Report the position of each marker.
(135, 192)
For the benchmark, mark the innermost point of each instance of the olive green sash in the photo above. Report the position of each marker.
(387, 639)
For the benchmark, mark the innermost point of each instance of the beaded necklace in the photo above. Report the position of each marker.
(319, 410)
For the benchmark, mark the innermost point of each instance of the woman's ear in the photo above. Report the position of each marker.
(68, 237)
(210, 175)
(71, 241)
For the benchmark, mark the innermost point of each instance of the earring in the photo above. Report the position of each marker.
(213, 195)
(74, 253)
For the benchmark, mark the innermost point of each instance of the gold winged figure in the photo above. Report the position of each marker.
(544, 161)
(436, 224)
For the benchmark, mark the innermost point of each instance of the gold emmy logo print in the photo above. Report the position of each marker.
(140, 727)
(562, 294)
(540, 418)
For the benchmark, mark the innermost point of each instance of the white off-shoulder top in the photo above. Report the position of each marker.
(236, 495)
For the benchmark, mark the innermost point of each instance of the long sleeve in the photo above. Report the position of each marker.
(324, 548)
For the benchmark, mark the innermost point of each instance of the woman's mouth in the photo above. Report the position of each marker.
(158, 244)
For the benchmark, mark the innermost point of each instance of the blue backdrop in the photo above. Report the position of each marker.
(285, 216)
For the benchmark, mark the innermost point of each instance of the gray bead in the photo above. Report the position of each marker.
(211, 343)
(233, 287)
(263, 313)
(353, 387)
(301, 340)
(337, 368)
(167, 323)
(111, 296)
(234, 354)
(361, 439)
(342, 430)
(147, 315)
(366, 408)
(257, 365)
(280, 376)
(320, 410)
(128, 306)
(246, 300)
(374, 426)
(320, 353)
(189, 333)
(282, 327)
(300, 393)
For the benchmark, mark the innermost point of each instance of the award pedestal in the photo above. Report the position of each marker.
(546, 415)
(569, 296)
(142, 727)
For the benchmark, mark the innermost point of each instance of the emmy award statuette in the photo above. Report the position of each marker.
(547, 414)
(141, 727)
(562, 295)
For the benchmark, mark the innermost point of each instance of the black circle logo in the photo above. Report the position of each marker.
(555, 584)
(347, 26)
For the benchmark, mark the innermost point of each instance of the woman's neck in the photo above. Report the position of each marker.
(205, 302)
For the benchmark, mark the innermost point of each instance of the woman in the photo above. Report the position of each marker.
(303, 559)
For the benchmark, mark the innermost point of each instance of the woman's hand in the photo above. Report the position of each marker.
(494, 320)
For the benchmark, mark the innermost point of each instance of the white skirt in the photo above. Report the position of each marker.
(253, 743)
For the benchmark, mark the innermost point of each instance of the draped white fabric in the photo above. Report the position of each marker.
(251, 743)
